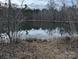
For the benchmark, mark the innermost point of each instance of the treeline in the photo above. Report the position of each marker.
(65, 14)
(18, 18)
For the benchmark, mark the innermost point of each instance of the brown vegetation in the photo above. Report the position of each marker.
(62, 48)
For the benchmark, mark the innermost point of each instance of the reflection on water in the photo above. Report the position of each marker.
(46, 25)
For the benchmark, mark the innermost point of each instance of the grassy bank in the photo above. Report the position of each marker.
(60, 48)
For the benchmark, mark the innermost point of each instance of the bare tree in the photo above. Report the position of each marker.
(8, 19)
(51, 4)
(74, 3)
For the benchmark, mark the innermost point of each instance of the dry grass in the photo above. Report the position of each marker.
(62, 48)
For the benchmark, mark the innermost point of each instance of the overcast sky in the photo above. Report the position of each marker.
(31, 3)
(35, 3)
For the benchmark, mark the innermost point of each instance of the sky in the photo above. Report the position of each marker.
(31, 3)
(35, 3)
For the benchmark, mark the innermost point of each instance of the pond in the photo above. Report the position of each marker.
(46, 25)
